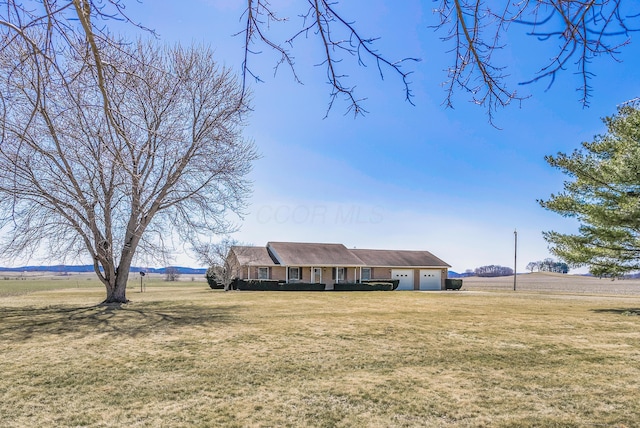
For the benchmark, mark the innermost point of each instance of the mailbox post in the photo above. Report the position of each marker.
(142, 274)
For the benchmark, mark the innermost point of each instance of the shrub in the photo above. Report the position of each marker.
(453, 284)
(394, 282)
(212, 280)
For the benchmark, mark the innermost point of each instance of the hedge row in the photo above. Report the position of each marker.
(274, 285)
(359, 286)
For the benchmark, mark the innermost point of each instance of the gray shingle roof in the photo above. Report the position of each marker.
(398, 258)
(308, 254)
(315, 254)
(253, 256)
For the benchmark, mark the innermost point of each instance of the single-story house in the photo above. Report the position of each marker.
(334, 263)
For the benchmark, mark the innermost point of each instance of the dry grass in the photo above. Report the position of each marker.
(189, 356)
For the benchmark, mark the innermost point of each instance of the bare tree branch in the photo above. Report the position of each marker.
(583, 30)
(588, 29)
(322, 19)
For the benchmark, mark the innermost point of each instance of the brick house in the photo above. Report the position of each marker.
(335, 263)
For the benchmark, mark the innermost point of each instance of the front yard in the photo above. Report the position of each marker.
(191, 356)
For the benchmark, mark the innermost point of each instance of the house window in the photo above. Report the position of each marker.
(294, 274)
(342, 274)
(263, 273)
(366, 274)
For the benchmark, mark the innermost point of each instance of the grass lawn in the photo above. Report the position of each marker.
(188, 356)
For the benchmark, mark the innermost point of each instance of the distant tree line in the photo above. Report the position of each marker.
(548, 265)
(493, 271)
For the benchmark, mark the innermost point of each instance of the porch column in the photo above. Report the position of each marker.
(248, 272)
(286, 274)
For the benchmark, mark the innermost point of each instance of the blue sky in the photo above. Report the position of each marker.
(420, 177)
(403, 176)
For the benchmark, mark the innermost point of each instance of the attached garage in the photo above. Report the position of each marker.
(405, 276)
(430, 279)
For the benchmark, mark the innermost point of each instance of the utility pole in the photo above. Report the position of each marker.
(515, 258)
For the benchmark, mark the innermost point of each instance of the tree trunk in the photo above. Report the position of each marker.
(117, 293)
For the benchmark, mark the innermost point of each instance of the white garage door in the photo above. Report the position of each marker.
(405, 276)
(430, 279)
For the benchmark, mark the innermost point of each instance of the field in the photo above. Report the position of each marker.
(556, 283)
(16, 283)
(564, 352)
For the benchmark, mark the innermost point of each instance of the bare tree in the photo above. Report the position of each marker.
(171, 274)
(222, 267)
(113, 162)
(582, 31)
(216, 257)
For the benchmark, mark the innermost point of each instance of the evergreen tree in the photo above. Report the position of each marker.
(603, 194)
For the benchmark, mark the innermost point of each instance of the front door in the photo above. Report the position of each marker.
(317, 275)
